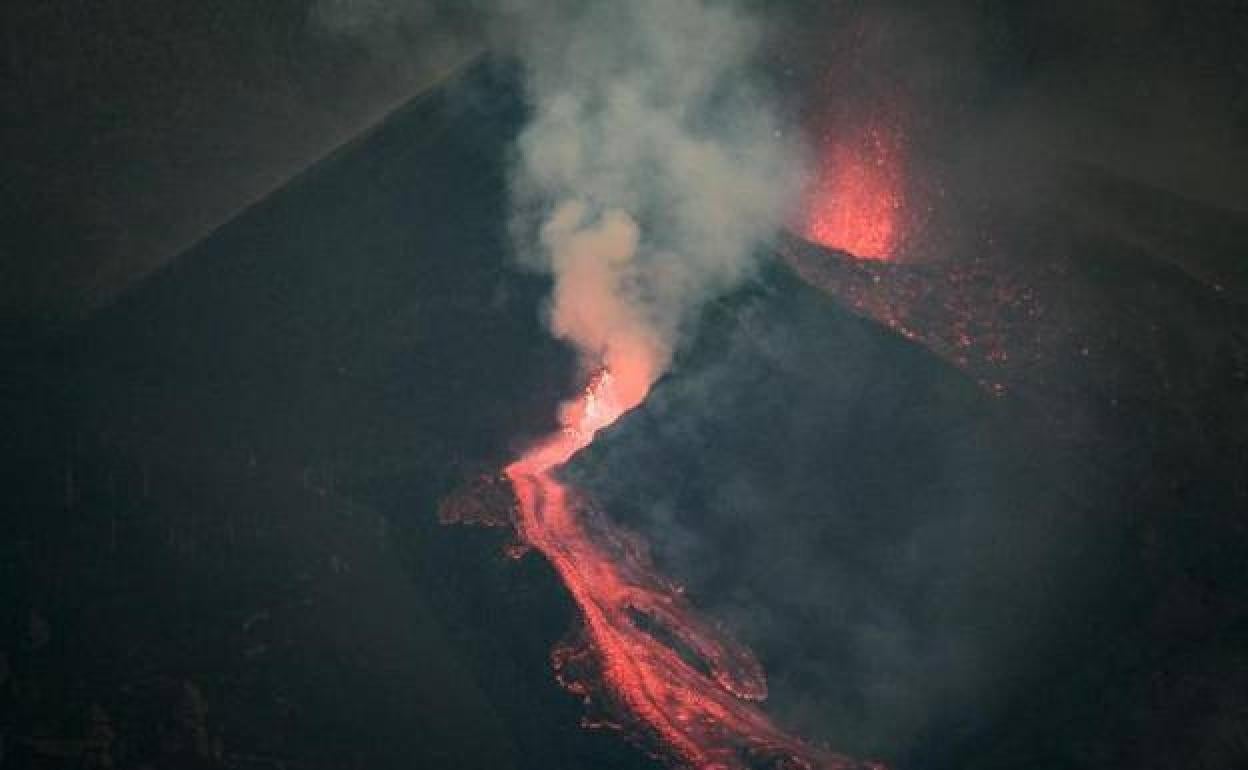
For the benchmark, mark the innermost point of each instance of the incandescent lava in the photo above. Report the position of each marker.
(644, 654)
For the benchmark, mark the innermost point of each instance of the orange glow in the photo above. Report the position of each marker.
(855, 201)
(692, 694)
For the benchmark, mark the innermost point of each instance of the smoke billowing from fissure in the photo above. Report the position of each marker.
(656, 166)
(653, 162)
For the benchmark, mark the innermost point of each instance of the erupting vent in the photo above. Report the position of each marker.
(854, 202)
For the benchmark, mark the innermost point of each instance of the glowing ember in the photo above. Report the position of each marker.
(643, 653)
(854, 203)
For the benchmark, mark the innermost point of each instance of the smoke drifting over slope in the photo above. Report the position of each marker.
(651, 167)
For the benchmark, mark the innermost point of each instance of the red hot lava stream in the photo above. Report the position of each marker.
(694, 692)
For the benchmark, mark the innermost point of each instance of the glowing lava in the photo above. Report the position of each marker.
(854, 203)
(643, 653)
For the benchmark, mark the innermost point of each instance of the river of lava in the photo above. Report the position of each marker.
(654, 661)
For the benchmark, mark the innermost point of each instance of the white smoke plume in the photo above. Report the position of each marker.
(653, 163)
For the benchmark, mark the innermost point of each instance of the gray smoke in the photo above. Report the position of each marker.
(654, 163)
(652, 166)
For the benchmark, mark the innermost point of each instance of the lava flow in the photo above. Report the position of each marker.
(649, 657)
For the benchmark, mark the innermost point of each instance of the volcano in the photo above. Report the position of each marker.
(223, 547)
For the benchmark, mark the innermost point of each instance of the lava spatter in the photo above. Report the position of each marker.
(854, 202)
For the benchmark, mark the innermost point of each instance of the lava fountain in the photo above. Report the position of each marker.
(854, 201)
(643, 651)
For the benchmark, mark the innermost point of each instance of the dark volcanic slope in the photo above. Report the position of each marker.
(855, 509)
(219, 546)
(941, 577)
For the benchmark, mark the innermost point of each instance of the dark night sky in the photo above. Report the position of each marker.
(135, 127)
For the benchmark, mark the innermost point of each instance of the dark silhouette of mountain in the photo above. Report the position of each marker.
(220, 536)
(221, 546)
